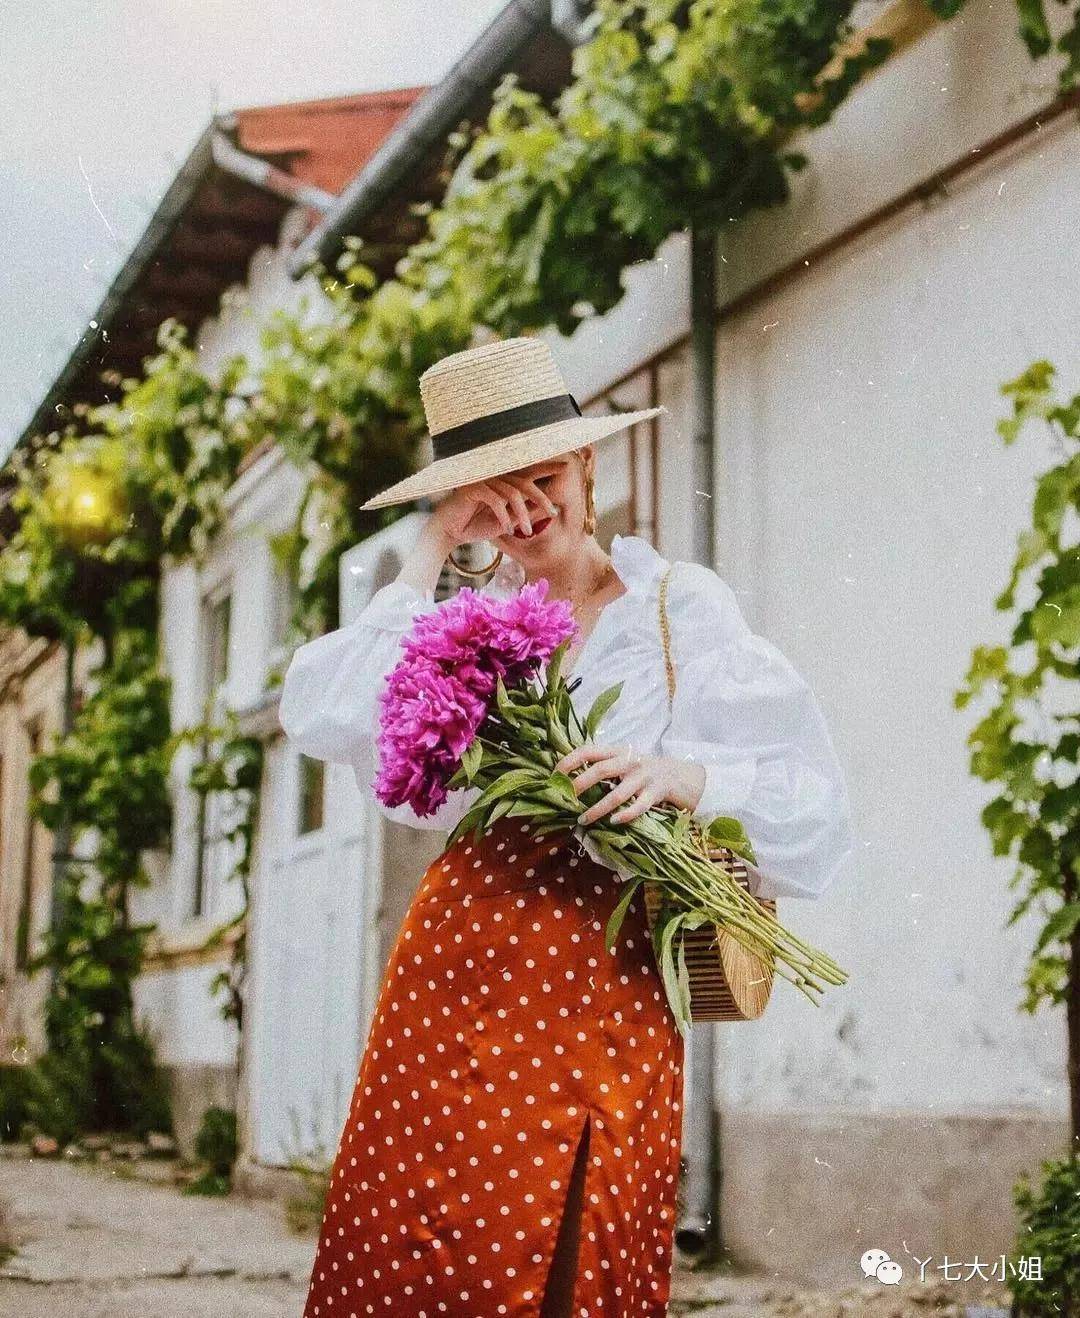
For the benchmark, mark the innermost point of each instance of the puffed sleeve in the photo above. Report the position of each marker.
(329, 699)
(743, 712)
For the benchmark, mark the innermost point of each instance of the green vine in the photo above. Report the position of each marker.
(104, 782)
(1027, 741)
(97, 516)
(234, 768)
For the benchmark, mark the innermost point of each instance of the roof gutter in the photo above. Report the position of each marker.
(436, 113)
(212, 147)
(262, 174)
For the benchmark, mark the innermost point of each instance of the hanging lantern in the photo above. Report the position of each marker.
(85, 497)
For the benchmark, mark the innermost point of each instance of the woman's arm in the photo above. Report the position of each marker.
(329, 700)
(750, 720)
(746, 739)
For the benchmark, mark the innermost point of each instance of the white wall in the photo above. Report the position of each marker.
(188, 1028)
(874, 516)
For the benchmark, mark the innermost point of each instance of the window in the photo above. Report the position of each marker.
(310, 797)
(216, 622)
(284, 597)
(218, 617)
(32, 842)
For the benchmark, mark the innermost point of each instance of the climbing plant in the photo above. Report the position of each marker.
(340, 395)
(96, 517)
(107, 780)
(676, 115)
(232, 769)
(1028, 743)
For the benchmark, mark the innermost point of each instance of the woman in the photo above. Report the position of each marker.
(513, 1141)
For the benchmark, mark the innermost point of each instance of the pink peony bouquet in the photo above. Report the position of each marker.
(477, 701)
(445, 683)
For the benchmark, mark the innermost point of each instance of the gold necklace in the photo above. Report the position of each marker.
(594, 590)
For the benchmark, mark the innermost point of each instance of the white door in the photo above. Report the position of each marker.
(307, 958)
(318, 939)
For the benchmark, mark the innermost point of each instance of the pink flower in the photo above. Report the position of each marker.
(440, 692)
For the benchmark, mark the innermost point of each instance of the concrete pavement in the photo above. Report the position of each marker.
(97, 1240)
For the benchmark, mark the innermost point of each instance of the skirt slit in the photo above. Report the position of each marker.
(562, 1273)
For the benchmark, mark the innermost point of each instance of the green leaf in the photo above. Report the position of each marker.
(563, 784)
(470, 761)
(1060, 926)
(554, 667)
(618, 914)
(725, 831)
(532, 808)
(684, 978)
(468, 821)
(669, 972)
(600, 707)
(513, 783)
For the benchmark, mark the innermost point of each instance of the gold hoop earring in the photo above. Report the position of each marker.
(474, 572)
(589, 524)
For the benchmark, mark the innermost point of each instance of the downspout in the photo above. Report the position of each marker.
(698, 1230)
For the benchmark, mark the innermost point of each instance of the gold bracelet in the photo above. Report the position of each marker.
(473, 572)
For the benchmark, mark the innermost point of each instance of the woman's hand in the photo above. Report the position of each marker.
(642, 781)
(486, 509)
(479, 511)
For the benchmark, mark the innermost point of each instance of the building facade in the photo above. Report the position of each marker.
(32, 693)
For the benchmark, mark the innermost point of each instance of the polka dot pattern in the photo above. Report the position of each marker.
(502, 1027)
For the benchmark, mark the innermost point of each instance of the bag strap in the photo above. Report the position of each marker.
(665, 636)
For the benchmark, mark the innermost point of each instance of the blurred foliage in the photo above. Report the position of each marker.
(104, 787)
(1049, 1229)
(677, 116)
(96, 517)
(304, 1212)
(231, 764)
(104, 1081)
(1028, 741)
(216, 1145)
(216, 1140)
(15, 1089)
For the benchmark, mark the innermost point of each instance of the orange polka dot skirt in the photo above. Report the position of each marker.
(502, 1028)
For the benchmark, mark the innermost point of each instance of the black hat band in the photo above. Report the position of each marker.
(501, 425)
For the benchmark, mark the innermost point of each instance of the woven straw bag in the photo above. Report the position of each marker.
(727, 983)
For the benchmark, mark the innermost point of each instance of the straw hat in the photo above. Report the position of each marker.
(494, 409)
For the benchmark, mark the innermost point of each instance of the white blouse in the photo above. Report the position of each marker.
(740, 710)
